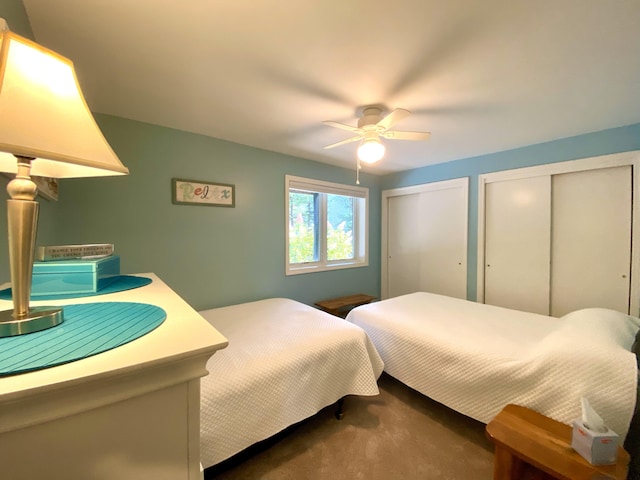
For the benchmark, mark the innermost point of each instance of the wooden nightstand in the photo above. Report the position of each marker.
(530, 446)
(341, 306)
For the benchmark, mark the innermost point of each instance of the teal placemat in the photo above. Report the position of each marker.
(88, 329)
(123, 282)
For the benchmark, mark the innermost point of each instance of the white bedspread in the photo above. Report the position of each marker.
(285, 362)
(477, 358)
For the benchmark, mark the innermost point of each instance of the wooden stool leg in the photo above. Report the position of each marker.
(506, 466)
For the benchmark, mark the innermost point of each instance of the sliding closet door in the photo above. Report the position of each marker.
(403, 245)
(591, 241)
(517, 244)
(426, 239)
(585, 212)
(443, 240)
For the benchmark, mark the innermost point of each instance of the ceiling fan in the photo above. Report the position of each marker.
(371, 127)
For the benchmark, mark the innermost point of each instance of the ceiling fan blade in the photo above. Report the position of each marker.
(393, 117)
(348, 140)
(342, 126)
(398, 135)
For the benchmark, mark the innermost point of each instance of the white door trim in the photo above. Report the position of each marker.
(613, 160)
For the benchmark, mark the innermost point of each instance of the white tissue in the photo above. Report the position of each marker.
(590, 418)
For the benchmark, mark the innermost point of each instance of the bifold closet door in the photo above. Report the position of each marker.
(518, 244)
(591, 240)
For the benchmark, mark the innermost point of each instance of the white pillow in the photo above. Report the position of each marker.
(601, 325)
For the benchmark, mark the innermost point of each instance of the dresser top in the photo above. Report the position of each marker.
(183, 336)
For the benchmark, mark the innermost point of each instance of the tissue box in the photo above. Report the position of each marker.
(597, 448)
(69, 277)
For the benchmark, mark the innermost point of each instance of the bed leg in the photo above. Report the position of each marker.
(339, 413)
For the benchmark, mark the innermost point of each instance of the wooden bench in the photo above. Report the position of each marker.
(341, 306)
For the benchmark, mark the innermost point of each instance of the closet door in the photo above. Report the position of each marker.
(403, 245)
(442, 231)
(518, 244)
(591, 241)
(426, 239)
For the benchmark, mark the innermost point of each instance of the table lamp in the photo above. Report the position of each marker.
(46, 129)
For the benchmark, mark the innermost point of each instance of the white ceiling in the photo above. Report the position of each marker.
(481, 76)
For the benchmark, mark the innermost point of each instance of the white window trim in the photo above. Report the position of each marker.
(361, 232)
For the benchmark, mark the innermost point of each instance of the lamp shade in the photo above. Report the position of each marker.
(43, 115)
(371, 150)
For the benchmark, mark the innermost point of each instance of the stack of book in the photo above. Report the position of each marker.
(73, 269)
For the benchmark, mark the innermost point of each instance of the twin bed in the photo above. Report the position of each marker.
(476, 358)
(286, 361)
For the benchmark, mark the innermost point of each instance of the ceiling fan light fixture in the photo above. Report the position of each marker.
(372, 126)
(371, 150)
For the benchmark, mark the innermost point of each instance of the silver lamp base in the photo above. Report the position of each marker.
(22, 218)
(39, 318)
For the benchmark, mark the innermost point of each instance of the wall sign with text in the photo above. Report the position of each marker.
(196, 192)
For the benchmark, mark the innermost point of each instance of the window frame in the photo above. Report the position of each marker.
(360, 225)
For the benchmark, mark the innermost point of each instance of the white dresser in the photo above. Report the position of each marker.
(129, 413)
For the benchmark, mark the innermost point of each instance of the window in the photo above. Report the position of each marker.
(326, 226)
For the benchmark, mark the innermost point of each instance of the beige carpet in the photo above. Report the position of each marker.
(399, 434)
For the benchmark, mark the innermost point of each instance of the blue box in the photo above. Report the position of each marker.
(66, 277)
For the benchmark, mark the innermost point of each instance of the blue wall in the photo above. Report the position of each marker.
(605, 142)
(212, 256)
(218, 256)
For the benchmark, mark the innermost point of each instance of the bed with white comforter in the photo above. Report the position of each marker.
(285, 362)
(477, 358)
